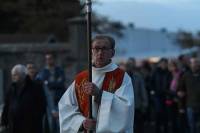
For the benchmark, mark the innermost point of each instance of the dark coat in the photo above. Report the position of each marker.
(55, 82)
(24, 108)
(190, 84)
(160, 83)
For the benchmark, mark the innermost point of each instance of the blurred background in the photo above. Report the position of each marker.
(147, 31)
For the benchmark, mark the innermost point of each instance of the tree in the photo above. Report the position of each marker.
(187, 39)
(37, 16)
(102, 24)
(48, 17)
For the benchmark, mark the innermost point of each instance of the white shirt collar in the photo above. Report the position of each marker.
(107, 68)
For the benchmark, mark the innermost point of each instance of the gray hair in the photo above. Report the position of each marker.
(105, 37)
(21, 69)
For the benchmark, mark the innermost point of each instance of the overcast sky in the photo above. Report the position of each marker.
(153, 14)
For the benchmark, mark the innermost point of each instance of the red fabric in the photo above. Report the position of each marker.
(113, 80)
(111, 83)
(82, 98)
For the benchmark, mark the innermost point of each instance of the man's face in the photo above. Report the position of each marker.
(31, 70)
(49, 60)
(195, 64)
(102, 52)
(186, 61)
(163, 65)
(172, 67)
(131, 65)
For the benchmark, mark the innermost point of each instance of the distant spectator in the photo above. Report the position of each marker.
(146, 71)
(141, 99)
(24, 105)
(190, 88)
(184, 63)
(53, 77)
(172, 99)
(31, 70)
(160, 84)
(32, 73)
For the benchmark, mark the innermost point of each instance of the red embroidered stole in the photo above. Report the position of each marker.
(111, 83)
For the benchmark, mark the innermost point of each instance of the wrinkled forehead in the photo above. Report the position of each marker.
(101, 43)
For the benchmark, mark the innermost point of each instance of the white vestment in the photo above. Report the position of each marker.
(115, 113)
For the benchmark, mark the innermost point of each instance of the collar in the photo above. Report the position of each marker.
(107, 68)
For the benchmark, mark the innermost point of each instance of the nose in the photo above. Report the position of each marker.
(100, 52)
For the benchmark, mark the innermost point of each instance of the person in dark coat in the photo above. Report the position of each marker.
(24, 105)
(160, 84)
(53, 78)
(189, 88)
(141, 99)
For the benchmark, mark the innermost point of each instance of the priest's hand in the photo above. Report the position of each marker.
(91, 89)
(89, 124)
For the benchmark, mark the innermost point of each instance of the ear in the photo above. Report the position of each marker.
(113, 52)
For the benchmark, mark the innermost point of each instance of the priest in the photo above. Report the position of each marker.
(112, 95)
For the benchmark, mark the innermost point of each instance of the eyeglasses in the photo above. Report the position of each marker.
(103, 49)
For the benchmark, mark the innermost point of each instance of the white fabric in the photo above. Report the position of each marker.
(116, 111)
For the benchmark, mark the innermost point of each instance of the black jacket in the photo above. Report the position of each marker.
(190, 84)
(24, 108)
(160, 82)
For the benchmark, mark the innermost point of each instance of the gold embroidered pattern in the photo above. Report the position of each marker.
(112, 85)
(80, 91)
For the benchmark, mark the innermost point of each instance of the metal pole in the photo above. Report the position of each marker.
(89, 40)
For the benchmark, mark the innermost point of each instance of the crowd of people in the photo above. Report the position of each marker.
(31, 103)
(166, 94)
